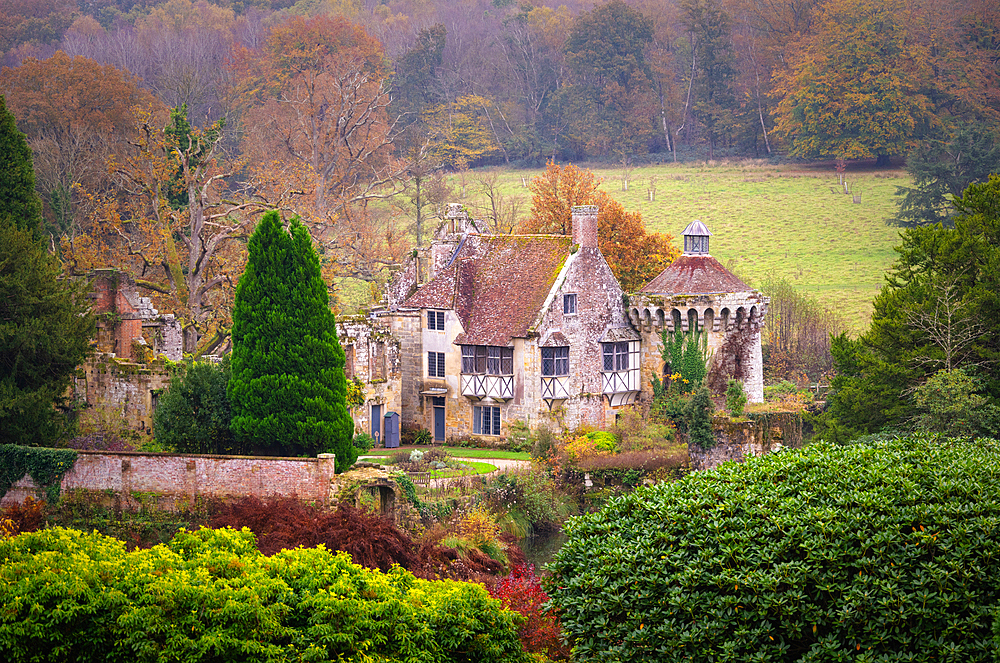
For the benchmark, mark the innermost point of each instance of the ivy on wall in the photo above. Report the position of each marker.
(45, 466)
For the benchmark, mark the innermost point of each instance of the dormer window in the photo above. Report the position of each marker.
(696, 238)
(435, 320)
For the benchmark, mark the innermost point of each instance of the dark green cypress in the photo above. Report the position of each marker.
(45, 333)
(287, 388)
(18, 200)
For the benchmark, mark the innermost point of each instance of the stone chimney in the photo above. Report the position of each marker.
(585, 226)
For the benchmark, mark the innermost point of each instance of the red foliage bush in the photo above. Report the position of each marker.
(521, 592)
(27, 516)
(372, 541)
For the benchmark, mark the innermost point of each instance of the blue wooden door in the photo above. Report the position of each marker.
(439, 419)
(377, 423)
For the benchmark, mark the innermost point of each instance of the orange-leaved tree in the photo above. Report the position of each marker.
(318, 123)
(75, 113)
(634, 255)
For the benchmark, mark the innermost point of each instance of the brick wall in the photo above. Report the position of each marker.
(182, 478)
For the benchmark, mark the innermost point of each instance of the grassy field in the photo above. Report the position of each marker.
(792, 221)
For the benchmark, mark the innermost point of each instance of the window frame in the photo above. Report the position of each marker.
(435, 320)
(557, 360)
(493, 418)
(569, 303)
(435, 364)
(615, 356)
(487, 360)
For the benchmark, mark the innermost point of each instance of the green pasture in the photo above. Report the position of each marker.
(794, 221)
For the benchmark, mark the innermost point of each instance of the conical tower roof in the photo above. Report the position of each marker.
(696, 273)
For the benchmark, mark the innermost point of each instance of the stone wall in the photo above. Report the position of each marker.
(120, 392)
(738, 440)
(177, 479)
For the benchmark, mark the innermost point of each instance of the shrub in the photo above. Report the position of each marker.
(699, 418)
(736, 399)
(193, 415)
(884, 550)
(363, 442)
(211, 596)
(281, 523)
(521, 591)
(27, 516)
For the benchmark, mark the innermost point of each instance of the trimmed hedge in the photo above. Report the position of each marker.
(882, 551)
(211, 596)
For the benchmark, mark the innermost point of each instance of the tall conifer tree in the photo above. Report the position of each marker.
(287, 389)
(17, 176)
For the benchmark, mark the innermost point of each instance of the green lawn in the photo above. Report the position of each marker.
(457, 452)
(793, 221)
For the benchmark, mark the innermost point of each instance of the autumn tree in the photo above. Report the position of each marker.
(186, 253)
(609, 90)
(34, 22)
(849, 91)
(76, 113)
(324, 130)
(45, 324)
(634, 255)
(287, 388)
(460, 131)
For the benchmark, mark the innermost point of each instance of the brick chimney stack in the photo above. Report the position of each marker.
(585, 226)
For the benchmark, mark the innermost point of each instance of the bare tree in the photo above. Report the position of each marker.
(500, 210)
(949, 324)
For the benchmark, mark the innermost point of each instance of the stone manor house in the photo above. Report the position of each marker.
(479, 330)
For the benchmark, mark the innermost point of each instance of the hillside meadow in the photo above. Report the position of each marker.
(790, 220)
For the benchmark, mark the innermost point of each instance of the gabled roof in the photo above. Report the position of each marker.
(696, 275)
(496, 285)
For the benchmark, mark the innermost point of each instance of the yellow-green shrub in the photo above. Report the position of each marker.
(211, 596)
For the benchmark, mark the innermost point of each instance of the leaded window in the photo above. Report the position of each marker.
(485, 420)
(616, 356)
(555, 361)
(487, 359)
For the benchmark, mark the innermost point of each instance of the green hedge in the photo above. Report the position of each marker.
(882, 551)
(211, 596)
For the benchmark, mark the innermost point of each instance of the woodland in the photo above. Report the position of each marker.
(161, 130)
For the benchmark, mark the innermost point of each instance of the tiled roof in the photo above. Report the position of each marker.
(498, 288)
(696, 275)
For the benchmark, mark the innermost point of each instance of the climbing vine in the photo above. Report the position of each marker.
(686, 353)
(44, 465)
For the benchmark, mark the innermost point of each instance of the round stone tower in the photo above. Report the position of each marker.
(697, 291)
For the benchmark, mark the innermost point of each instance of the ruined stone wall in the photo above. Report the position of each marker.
(176, 478)
(374, 354)
(739, 440)
(127, 324)
(120, 391)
